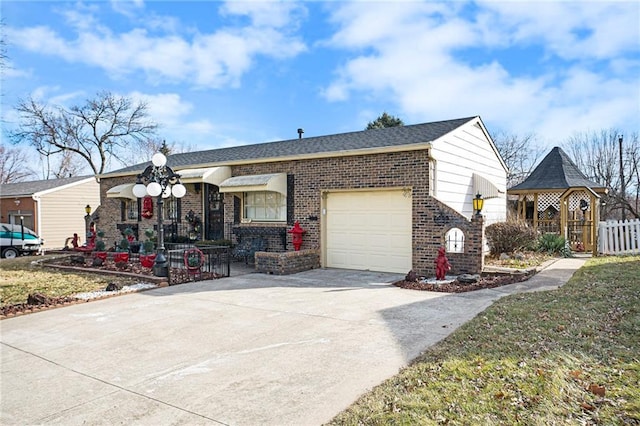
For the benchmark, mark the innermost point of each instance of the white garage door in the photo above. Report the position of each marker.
(369, 231)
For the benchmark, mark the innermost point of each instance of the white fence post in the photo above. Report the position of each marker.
(619, 237)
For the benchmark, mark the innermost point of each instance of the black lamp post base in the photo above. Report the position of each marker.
(161, 270)
(161, 267)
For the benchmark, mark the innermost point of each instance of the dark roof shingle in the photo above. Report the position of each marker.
(365, 139)
(556, 171)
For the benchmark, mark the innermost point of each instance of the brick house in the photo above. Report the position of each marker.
(383, 199)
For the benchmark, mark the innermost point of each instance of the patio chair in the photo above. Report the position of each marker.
(247, 249)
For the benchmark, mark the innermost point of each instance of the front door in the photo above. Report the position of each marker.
(214, 213)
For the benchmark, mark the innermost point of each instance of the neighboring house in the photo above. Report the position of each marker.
(381, 199)
(53, 208)
(558, 198)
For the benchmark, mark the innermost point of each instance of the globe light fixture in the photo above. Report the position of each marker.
(161, 182)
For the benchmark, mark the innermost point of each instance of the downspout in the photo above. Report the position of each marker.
(38, 229)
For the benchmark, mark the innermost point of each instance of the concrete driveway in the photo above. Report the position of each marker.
(247, 350)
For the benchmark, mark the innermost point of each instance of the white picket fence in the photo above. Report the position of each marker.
(618, 237)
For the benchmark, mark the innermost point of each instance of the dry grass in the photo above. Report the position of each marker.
(523, 260)
(569, 356)
(25, 275)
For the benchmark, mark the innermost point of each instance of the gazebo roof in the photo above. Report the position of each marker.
(556, 171)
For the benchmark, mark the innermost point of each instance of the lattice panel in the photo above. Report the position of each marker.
(548, 199)
(574, 200)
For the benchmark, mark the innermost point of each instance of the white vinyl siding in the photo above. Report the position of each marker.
(459, 155)
(62, 212)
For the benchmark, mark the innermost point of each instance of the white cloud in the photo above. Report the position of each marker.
(212, 60)
(176, 117)
(411, 55)
(571, 30)
(267, 13)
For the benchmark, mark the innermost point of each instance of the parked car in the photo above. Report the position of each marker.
(18, 240)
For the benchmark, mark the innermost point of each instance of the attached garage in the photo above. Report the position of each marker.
(369, 230)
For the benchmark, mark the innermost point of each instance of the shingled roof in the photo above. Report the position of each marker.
(343, 142)
(22, 189)
(556, 171)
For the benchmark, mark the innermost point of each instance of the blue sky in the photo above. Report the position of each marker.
(228, 73)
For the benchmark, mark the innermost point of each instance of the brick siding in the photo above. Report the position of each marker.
(431, 218)
(286, 263)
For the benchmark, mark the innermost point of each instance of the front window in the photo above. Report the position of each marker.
(265, 206)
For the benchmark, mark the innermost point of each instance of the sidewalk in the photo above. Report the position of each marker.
(252, 349)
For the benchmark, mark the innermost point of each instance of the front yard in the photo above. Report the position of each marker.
(24, 275)
(569, 356)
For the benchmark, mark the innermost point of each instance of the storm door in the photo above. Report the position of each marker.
(213, 213)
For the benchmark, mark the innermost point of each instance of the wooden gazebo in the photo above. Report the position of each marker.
(558, 198)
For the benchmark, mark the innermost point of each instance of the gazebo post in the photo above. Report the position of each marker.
(535, 211)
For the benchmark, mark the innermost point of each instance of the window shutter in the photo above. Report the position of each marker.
(237, 205)
(290, 203)
(123, 211)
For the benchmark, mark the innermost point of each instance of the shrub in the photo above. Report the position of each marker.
(124, 245)
(147, 246)
(507, 237)
(553, 244)
(100, 245)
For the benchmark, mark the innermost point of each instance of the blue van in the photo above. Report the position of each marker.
(17, 240)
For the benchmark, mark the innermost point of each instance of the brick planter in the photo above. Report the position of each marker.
(288, 262)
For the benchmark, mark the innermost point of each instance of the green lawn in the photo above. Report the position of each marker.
(569, 356)
(21, 276)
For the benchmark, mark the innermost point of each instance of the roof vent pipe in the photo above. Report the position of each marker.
(300, 132)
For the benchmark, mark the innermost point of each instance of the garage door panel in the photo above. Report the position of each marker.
(369, 230)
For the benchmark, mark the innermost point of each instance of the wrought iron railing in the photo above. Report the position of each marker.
(190, 263)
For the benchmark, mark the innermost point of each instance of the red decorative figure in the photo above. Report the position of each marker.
(296, 235)
(442, 264)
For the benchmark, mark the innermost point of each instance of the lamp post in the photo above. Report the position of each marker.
(478, 204)
(162, 182)
(87, 221)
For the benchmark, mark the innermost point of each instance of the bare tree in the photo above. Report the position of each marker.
(14, 165)
(95, 132)
(597, 154)
(145, 148)
(520, 154)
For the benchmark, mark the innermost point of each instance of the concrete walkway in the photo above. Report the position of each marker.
(247, 350)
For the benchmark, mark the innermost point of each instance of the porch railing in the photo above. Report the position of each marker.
(215, 263)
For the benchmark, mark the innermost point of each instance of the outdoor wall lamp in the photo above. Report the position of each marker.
(162, 182)
(87, 209)
(478, 204)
